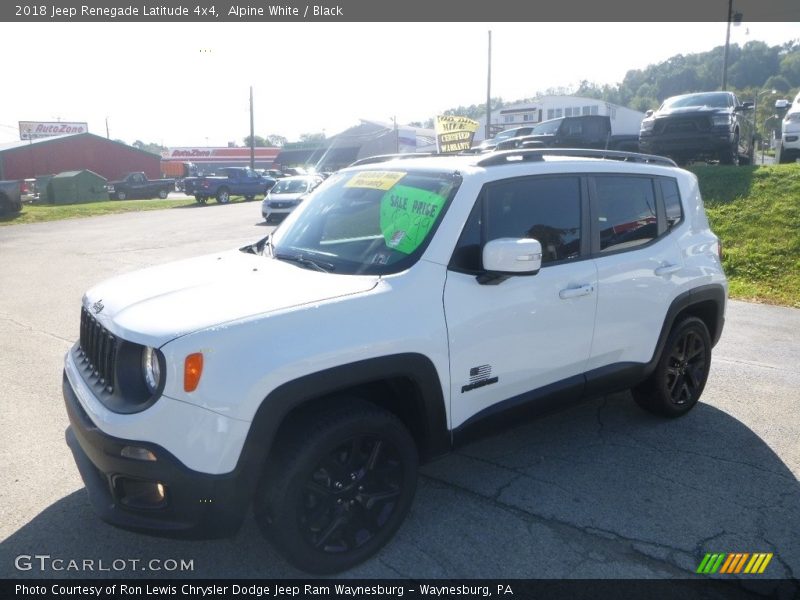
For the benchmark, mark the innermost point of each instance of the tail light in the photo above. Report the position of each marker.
(23, 187)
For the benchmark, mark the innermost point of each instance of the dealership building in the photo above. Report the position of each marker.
(544, 108)
(77, 152)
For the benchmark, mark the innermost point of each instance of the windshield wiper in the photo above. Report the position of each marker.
(323, 267)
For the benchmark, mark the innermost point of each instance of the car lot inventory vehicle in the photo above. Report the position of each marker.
(137, 185)
(286, 195)
(708, 125)
(790, 133)
(404, 307)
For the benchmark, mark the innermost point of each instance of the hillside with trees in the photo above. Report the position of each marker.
(752, 68)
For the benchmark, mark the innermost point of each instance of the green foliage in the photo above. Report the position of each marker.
(756, 213)
(151, 147)
(260, 142)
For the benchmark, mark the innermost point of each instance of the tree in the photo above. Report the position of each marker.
(152, 148)
(276, 140)
(790, 68)
(778, 83)
(312, 137)
(259, 141)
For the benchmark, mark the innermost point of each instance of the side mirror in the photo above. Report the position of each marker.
(505, 257)
(649, 113)
(747, 106)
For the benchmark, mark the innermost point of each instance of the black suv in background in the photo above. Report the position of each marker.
(708, 125)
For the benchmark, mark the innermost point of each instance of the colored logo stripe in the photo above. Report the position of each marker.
(734, 562)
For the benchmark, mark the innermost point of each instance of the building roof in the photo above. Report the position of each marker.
(10, 146)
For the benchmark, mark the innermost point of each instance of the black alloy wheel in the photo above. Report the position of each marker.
(680, 375)
(351, 494)
(337, 486)
(686, 367)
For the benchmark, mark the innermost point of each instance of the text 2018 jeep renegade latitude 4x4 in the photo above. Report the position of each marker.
(404, 305)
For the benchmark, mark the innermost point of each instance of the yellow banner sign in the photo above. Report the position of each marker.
(454, 134)
(375, 180)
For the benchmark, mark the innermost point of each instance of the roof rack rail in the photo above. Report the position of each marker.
(387, 157)
(538, 154)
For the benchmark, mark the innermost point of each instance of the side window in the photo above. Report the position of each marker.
(467, 255)
(672, 202)
(547, 209)
(626, 212)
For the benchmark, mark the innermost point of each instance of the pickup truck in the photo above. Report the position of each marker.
(136, 185)
(588, 131)
(10, 199)
(232, 181)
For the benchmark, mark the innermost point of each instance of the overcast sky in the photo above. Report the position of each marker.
(188, 84)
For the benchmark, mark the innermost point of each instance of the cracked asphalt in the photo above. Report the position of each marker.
(601, 490)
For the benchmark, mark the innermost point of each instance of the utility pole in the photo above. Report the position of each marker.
(108, 136)
(489, 91)
(252, 134)
(727, 46)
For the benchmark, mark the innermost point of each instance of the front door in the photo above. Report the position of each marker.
(510, 338)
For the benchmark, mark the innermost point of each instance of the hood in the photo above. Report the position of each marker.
(155, 305)
(685, 110)
(284, 197)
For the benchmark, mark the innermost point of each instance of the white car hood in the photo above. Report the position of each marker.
(158, 304)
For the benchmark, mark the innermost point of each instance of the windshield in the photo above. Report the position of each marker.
(291, 186)
(366, 222)
(712, 100)
(547, 128)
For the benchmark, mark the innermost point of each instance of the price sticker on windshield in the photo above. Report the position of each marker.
(375, 180)
(407, 216)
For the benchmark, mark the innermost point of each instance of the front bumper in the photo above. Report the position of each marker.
(194, 505)
(686, 144)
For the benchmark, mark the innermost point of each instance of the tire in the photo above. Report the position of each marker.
(338, 486)
(201, 199)
(680, 376)
(223, 196)
(249, 198)
(121, 195)
(730, 155)
(163, 194)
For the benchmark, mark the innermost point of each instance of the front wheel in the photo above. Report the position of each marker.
(338, 487)
(681, 373)
(223, 196)
(730, 156)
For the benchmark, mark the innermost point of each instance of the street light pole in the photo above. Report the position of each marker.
(727, 46)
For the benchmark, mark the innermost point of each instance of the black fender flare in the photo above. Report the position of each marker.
(293, 394)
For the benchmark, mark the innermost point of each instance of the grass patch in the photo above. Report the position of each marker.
(39, 213)
(755, 210)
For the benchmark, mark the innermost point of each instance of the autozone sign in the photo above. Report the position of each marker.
(220, 155)
(31, 130)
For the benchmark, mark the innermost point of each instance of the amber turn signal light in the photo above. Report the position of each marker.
(192, 370)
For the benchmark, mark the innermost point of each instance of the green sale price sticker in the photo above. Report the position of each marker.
(407, 216)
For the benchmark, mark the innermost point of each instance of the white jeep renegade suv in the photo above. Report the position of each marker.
(399, 310)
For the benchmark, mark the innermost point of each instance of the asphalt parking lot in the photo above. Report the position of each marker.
(601, 490)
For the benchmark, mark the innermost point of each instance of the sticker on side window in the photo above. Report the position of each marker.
(375, 180)
(407, 215)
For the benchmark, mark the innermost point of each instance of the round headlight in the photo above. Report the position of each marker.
(151, 369)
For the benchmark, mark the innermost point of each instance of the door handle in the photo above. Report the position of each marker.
(667, 270)
(576, 292)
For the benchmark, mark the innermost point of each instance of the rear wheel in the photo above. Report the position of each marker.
(121, 195)
(201, 199)
(163, 194)
(681, 373)
(338, 486)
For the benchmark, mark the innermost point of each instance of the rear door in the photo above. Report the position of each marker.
(638, 265)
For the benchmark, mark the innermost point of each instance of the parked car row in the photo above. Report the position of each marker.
(702, 126)
(789, 148)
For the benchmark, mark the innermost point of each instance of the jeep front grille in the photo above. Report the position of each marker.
(98, 349)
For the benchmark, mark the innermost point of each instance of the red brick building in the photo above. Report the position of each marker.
(48, 156)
